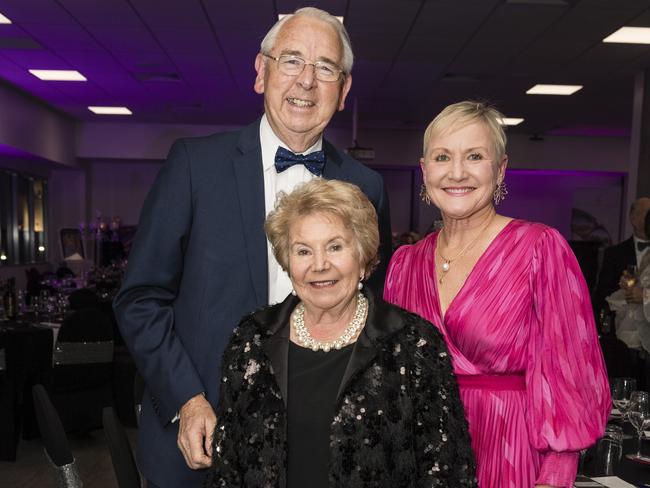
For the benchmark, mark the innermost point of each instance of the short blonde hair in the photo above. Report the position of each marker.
(332, 197)
(463, 113)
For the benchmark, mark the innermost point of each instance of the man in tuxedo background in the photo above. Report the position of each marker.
(627, 253)
(201, 260)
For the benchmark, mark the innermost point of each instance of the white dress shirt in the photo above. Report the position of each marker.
(639, 254)
(274, 182)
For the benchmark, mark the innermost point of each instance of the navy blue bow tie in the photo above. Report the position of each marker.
(640, 245)
(314, 161)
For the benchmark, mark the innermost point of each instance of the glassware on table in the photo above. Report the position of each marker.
(622, 389)
(21, 301)
(35, 303)
(609, 451)
(639, 414)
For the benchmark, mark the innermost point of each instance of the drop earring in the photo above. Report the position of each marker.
(500, 192)
(424, 196)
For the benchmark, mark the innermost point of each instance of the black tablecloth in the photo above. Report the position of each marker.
(630, 471)
(28, 352)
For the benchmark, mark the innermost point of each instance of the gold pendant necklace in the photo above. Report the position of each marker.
(446, 262)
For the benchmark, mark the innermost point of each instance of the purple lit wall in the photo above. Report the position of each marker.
(546, 196)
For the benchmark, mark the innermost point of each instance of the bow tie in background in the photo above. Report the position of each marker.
(314, 161)
(641, 245)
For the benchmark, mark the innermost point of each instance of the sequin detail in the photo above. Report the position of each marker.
(399, 420)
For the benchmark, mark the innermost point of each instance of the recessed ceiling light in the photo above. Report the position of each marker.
(553, 89)
(110, 110)
(4, 20)
(339, 17)
(57, 75)
(630, 35)
(511, 121)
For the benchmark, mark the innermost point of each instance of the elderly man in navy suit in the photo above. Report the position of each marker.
(200, 260)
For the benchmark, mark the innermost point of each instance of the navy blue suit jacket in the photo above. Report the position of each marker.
(198, 264)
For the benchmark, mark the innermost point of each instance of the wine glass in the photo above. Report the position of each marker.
(639, 413)
(622, 389)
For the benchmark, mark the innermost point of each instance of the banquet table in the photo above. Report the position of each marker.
(28, 361)
(633, 472)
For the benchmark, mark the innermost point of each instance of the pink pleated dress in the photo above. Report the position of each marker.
(525, 351)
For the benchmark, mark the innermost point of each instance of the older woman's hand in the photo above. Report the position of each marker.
(634, 295)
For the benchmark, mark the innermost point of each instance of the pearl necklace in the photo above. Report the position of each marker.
(446, 263)
(343, 340)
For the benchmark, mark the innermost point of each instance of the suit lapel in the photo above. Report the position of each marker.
(247, 167)
(333, 163)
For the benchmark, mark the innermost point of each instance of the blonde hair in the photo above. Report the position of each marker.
(331, 197)
(463, 113)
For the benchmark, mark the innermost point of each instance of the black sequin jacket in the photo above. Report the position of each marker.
(400, 421)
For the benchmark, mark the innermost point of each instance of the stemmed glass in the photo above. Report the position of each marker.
(622, 389)
(639, 413)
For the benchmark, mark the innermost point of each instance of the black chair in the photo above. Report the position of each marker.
(83, 298)
(124, 465)
(83, 369)
(57, 448)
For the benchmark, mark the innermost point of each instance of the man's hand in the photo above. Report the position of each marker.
(197, 422)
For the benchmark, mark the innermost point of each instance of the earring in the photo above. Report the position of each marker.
(360, 286)
(293, 292)
(424, 196)
(500, 192)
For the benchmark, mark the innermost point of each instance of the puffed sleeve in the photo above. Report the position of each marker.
(566, 381)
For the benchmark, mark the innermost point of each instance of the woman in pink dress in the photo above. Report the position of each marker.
(511, 302)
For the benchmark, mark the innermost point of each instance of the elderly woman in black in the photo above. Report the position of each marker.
(334, 387)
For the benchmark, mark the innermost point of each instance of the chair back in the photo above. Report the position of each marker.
(82, 370)
(56, 444)
(84, 298)
(126, 471)
(83, 354)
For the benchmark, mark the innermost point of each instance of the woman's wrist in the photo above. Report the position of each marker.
(558, 469)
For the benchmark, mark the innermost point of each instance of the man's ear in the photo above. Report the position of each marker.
(260, 68)
(347, 84)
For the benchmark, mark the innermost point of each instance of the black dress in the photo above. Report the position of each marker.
(314, 379)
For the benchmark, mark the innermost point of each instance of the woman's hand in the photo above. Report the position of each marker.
(627, 280)
(634, 295)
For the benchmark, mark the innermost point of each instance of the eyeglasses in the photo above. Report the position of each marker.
(292, 65)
